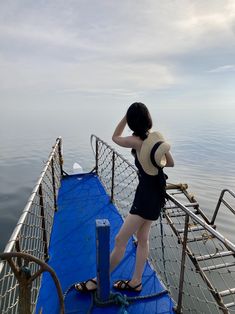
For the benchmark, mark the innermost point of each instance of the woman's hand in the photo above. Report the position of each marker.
(125, 141)
(169, 160)
(119, 128)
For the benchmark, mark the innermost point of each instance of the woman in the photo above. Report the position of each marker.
(151, 155)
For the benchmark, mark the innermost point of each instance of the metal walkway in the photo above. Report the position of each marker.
(212, 255)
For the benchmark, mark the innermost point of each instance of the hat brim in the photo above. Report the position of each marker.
(159, 156)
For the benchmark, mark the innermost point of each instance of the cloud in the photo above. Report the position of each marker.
(96, 77)
(223, 69)
(125, 47)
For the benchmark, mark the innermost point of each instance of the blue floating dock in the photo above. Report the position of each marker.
(72, 252)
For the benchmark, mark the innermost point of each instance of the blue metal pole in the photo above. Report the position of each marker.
(102, 258)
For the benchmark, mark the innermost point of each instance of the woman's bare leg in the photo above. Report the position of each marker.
(141, 252)
(131, 225)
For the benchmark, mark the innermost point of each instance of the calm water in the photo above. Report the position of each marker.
(202, 139)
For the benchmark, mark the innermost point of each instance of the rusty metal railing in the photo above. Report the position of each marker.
(32, 237)
(223, 201)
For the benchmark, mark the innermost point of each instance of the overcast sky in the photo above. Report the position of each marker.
(126, 49)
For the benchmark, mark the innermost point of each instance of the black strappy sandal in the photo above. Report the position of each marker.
(82, 286)
(124, 285)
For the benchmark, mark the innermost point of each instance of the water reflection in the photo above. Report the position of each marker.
(202, 141)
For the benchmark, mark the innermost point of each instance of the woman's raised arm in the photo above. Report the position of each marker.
(125, 141)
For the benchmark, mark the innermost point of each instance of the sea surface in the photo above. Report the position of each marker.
(202, 142)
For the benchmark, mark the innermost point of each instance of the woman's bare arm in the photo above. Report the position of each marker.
(125, 141)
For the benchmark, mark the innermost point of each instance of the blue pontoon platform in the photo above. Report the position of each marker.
(67, 230)
(72, 252)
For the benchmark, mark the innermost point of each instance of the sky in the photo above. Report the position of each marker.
(177, 51)
(56, 54)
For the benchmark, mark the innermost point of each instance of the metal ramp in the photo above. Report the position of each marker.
(211, 254)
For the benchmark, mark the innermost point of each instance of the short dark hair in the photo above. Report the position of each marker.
(139, 119)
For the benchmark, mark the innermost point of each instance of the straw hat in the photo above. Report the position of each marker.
(152, 153)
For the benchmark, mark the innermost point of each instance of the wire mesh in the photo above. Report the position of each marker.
(208, 282)
(32, 233)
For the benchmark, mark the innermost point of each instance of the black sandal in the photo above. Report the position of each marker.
(82, 286)
(124, 285)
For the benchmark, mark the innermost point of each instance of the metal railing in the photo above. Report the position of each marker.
(194, 261)
(31, 237)
(223, 201)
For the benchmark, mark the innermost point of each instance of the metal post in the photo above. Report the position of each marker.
(60, 156)
(43, 224)
(53, 183)
(96, 155)
(25, 287)
(113, 173)
(221, 199)
(17, 248)
(182, 269)
(102, 256)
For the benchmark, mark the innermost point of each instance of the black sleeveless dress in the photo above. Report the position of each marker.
(150, 194)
